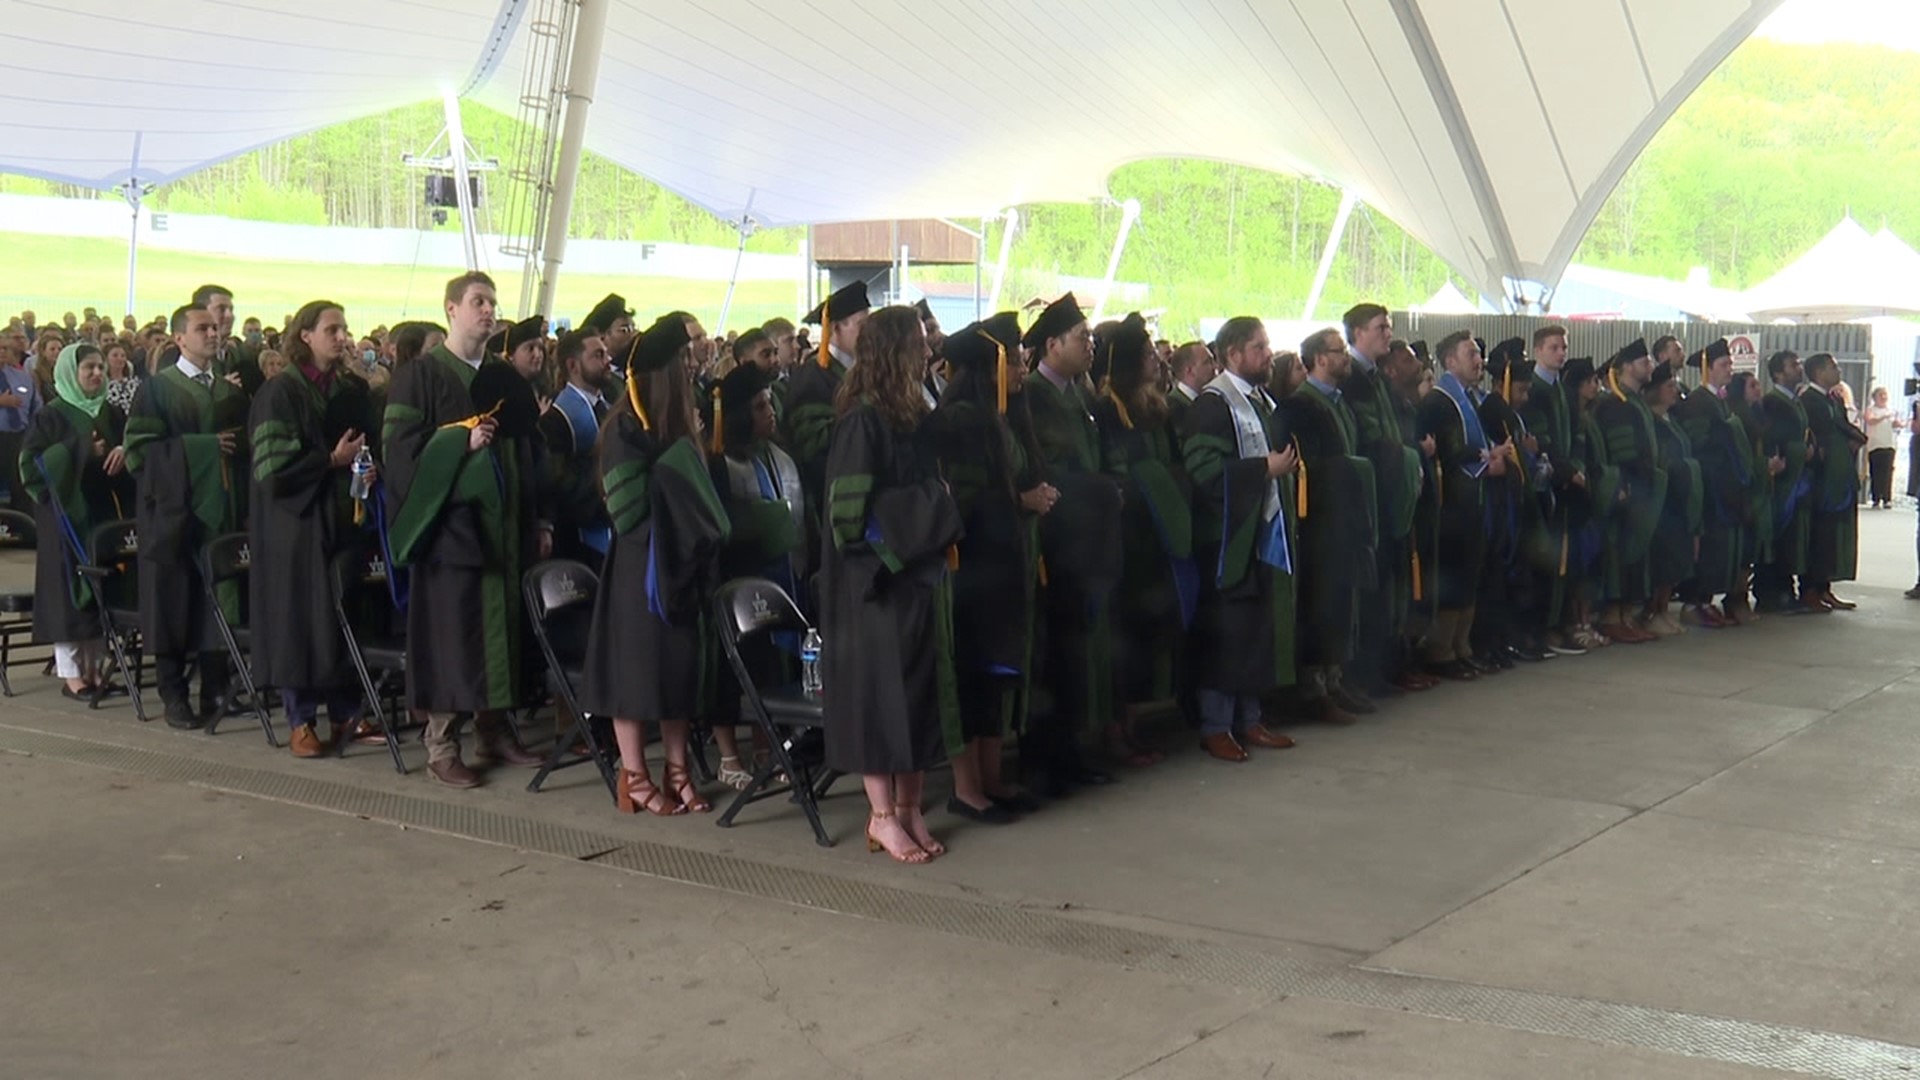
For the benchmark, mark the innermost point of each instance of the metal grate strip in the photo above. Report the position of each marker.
(1738, 1042)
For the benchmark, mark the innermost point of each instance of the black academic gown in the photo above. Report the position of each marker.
(1633, 450)
(1790, 515)
(1159, 584)
(1460, 526)
(1670, 559)
(462, 522)
(1243, 636)
(71, 493)
(807, 420)
(887, 668)
(648, 656)
(571, 433)
(188, 493)
(1833, 516)
(1550, 418)
(301, 518)
(1717, 443)
(1340, 529)
(1386, 437)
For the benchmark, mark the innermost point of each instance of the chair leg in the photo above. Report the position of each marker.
(6, 658)
(129, 673)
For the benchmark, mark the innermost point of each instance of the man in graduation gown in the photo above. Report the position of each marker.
(1338, 525)
(1464, 457)
(1676, 539)
(1404, 370)
(462, 518)
(1553, 421)
(302, 517)
(1242, 464)
(815, 381)
(1626, 426)
(231, 360)
(1516, 527)
(1079, 544)
(612, 319)
(1718, 444)
(1785, 417)
(1379, 663)
(1192, 369)
(1833, 516)
(571, 429)
(186, 447)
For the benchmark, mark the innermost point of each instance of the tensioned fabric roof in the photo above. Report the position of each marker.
(1493, 130)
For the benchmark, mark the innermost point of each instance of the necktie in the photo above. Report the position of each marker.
(600, 411)
(1261, 404)
(205, 379)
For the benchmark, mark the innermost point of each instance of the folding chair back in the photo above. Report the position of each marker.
(111, 565)
(17, 533)
(560, 595)
(227, 559)
(747, 609)
(371, 628)
(17, 530)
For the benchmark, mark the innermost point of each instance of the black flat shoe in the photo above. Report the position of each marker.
(1018, 803)
(71, 694)
(992, 815)
(181, 717)
(1091, 777)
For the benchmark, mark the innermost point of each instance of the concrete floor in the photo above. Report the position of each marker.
(1705, 846)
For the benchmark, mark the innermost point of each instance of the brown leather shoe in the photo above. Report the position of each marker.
(1414, 682)
(508, 752)
(1262, 735)
(1836, 603)
(1351, 701)
(1222, 746)
(454, 773)
(1330, 712)
(305, 743)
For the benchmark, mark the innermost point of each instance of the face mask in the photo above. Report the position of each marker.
(367, 357)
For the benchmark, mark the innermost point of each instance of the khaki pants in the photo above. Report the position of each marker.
(1448, 636)
(443, 732)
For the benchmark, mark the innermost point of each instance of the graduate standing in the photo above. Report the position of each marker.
(571, 429)
(887, 668)
(1834, 495)
(1717, 440)
(301, 518)
(1676, 538)
(991, 472)
(186, 446)
(1241, 465)
(1626, 427)
(648, 652)
(461, 503)
(1790, 517)
(1551, 418)
(1464, 457)
(74, 470)
(813, 387)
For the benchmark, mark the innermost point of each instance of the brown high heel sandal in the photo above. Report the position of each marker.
(637, 792)
(680, 782)
(916, 856)
(932, 847)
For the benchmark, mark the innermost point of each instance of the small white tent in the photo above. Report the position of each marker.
(1848, 275)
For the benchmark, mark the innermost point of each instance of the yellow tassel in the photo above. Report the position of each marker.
(1417, 591)
(1040, 564)
(1506, 384)
(1000, 371)
(1299, 482)
(1563, 554)
(473, 421)
(1613, 382)
(633, 395)
(1121, 406)
(359, 512)
(719, 424)
(953, 557)
(826, 334)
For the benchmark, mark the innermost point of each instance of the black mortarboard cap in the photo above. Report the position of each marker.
(500, 391)
(1059, 317)
(1705, 357)
(514, 335)
(1127, 347)
(920, 306)
(607, 312)
(1421, 352)
(1503, 355)
(1635, 350)
(843, 304)
(740, 387)
(658, 345)
(1577, 370)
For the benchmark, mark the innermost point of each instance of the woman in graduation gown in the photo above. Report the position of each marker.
(72, 467)
(647, 647)
(996, 485)
(1675, 550)
(1159, 584)
(886, 601)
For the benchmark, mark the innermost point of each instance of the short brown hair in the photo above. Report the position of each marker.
(1449, 343)
(457, 288)
(1551, 330)
(1360, 315)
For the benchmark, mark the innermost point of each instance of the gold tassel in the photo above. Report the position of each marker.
(633, 395)
(1417, 591)
(826, 334)
(953, 558)
(359, 512)
(1040, 564)
(1299, 482)
(1613, 382)
(473, 421)
(1506, 384)
(1000, 375)
(719, 424)
(1121, 406)
(1563, 554)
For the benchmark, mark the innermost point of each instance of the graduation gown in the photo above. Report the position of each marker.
(301, 517)
(1626, 428)
(1159, 587)
(71, 493)
(570, 430)
(1460, 524)
(648, 655)
(462, 522)
(1834, 493)
(1384, 437)
(758, 485)
(1340, 528)
(188, 493)
(994, 588)
(1724, 455)
(1756, 544)
(1551, 420)
(807, 418)
(1791, 512)
(887, 661)
(1243, 635)
(1670, 559)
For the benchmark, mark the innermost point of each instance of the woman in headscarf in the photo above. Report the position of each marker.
(996, 484)
(1159, 585)
(72, 466)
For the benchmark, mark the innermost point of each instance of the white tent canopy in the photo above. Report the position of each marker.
(1492, 130)
(1848, 275)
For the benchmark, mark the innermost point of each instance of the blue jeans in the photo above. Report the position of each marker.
(1227, 714)
(303, 706)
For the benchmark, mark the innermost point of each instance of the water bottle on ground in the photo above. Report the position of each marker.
(362, 470)
(810, 662)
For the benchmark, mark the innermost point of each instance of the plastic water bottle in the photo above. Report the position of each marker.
(362, 470)
(810, 662)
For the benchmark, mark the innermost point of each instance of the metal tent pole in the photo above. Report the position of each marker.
(133, 191)
(583, 74)
(746, 229)
(463, 194)
(1129, 213)
(1347, 203)
(1006, 249)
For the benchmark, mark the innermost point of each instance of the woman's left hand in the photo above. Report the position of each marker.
(116, 460)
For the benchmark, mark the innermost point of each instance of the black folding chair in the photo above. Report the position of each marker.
(17, 533)
(228, 559)
(560, 594)
(375, 644)
(748, 609)
(112, 566)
